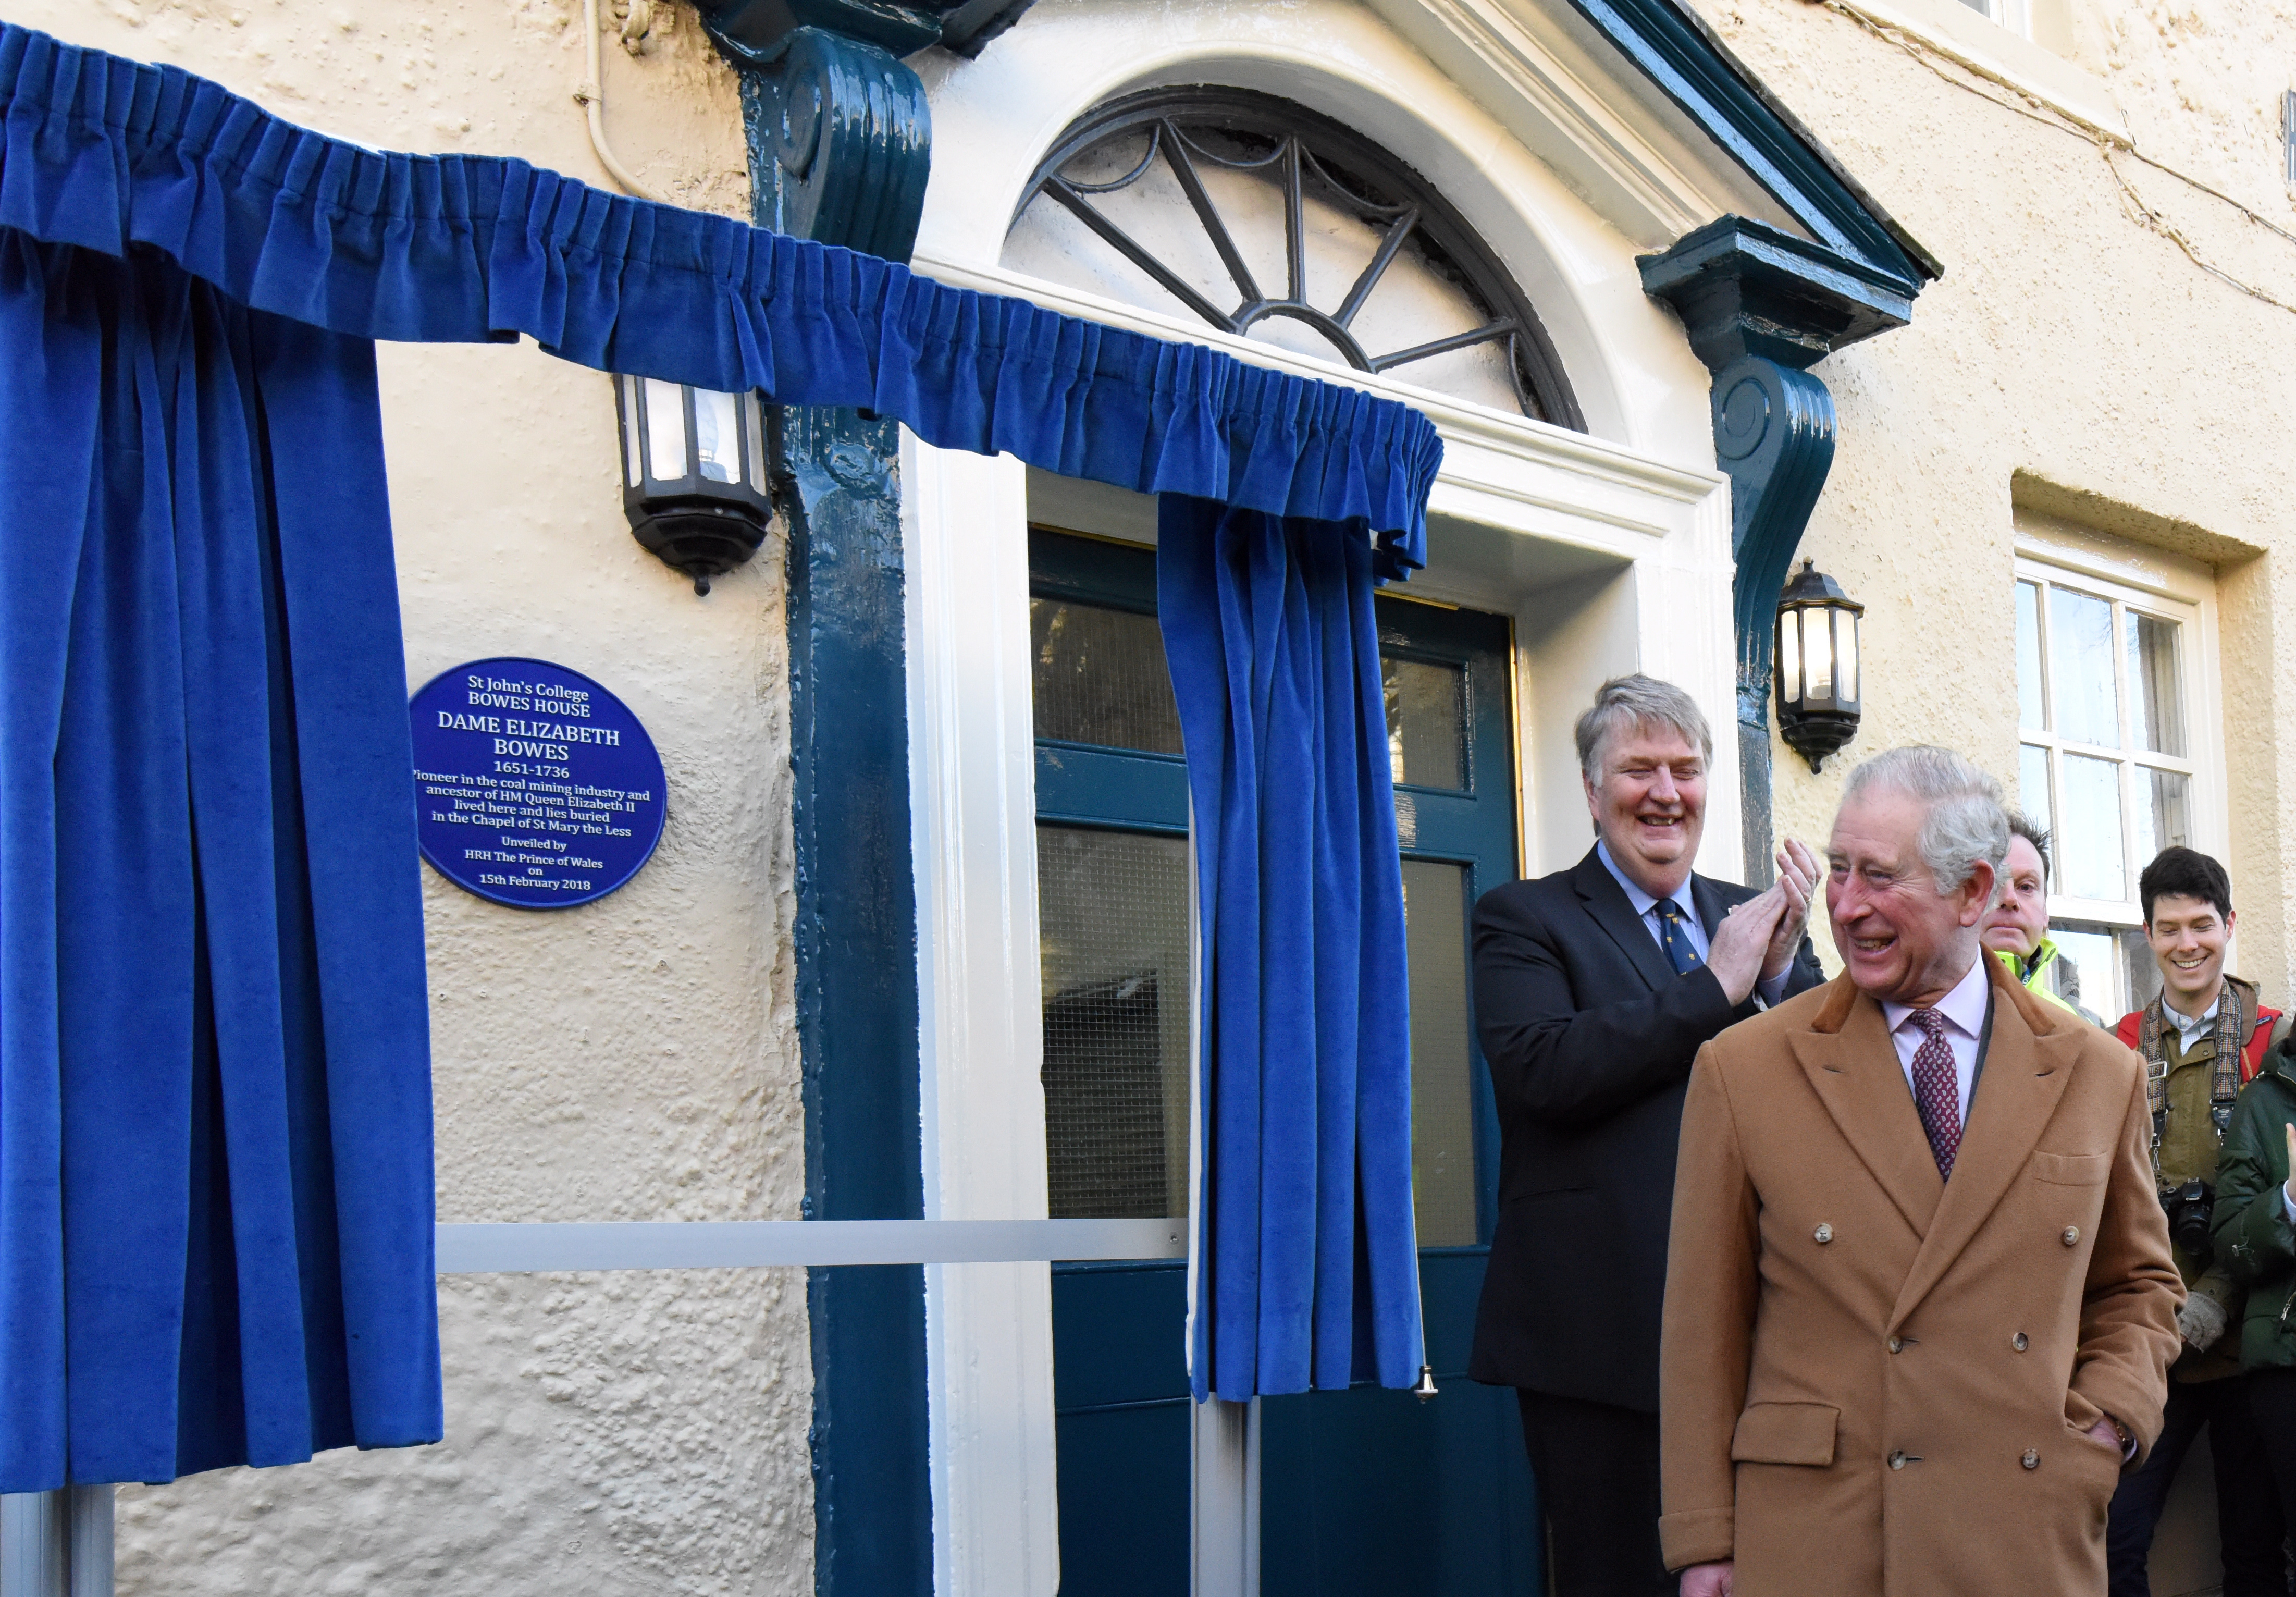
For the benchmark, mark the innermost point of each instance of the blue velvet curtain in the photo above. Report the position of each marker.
(1307, 1272)
(215, 1157)
(214, 1116)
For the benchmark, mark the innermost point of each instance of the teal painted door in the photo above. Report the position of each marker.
(1364, 1491)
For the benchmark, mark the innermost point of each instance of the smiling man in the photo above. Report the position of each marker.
(1593, 989)
(1919, 1302)
(2202, 1039)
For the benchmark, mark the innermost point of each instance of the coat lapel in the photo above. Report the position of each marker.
(1853, 1069)
(1606, 902)
(2024, 1077)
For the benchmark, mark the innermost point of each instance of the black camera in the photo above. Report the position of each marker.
(2190, 1208)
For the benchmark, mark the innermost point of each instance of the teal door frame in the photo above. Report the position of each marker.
(1324, 1494)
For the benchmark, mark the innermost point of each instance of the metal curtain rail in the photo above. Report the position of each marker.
(721, 1244)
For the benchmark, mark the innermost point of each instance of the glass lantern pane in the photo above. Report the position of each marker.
(665, 426)
(629, 419)
(2031, 703)
(1817, 657)
(718, 436)
(1789, 663)
(1845, 654)
(2153, 689)
(753, 440)
(2080, 668)
(2163, 812)
(2090, 858)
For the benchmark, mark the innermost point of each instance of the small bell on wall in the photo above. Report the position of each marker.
(693, 475)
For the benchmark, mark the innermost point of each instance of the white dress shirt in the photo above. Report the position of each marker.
(1646, 906)
(1963, 1009)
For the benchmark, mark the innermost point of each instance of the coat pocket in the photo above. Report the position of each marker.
(2072, 1170)
(1786, 1433)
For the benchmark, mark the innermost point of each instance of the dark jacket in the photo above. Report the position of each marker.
(2254, 1241)
(1590, 1034)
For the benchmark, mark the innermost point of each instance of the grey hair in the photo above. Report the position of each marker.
(1965, 821)
(1638, 701)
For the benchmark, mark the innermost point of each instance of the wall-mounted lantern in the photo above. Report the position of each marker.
(1819, 695)
(693, 475)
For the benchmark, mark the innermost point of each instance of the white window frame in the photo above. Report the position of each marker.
(2015, 15)
(2152, 582)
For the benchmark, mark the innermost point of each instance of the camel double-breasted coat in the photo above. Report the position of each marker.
(1874, 1381)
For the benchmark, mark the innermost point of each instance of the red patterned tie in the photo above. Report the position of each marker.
(1937, 1089)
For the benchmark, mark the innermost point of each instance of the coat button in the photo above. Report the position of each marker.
(2072, 1235)
(1896, 1344)
(1824, 1232)
(1897, 1461)
(2032, 1460)
(2019, 1342)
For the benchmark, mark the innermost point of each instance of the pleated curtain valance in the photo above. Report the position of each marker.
(214, 1139)
(107, 153)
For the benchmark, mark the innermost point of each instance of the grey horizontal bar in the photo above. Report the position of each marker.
(720, 1244)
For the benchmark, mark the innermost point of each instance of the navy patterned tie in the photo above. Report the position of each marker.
(1674, 937)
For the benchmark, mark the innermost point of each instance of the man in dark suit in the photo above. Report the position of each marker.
(1593, 989)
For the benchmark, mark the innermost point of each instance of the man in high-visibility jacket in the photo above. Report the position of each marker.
(2017, 931)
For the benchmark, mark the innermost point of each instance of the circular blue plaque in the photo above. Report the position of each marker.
(533, 786)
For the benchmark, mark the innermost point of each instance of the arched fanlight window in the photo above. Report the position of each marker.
(1268, 219)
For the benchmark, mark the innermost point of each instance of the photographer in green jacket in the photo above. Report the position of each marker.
(2255, 1229)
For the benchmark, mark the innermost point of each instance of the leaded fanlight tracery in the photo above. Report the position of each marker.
(1272, 221)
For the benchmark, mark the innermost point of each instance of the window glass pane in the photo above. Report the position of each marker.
(1845, 654)
(2156, 699)
(1442, 1118)
(2030, 700)
(1100, 677)
(2163, 814)
(1113, 910)
(2080, 669)
(2140, 976)
(2097, 980)
(1426, 717)
(2033, 784)
(2090, 860)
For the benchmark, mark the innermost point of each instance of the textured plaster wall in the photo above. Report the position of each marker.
(2070, 359)
(634, 1058)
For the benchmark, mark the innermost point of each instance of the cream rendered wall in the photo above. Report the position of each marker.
(2072, 361)
(634, 1058)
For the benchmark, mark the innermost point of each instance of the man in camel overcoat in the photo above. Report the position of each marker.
(1920, 1305)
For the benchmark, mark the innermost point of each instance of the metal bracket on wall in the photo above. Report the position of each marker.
(1759, 306)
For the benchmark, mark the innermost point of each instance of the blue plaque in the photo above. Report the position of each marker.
(534, 786)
